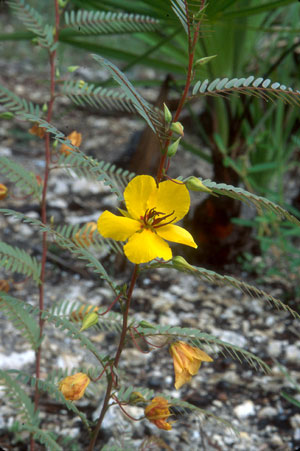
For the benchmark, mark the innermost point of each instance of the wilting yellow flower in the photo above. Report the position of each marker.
(37, 130)
(187, 361)
(149, 219)
(75, 139)
(73, 387)
(158, 412)
(86, 237)
(3, 191)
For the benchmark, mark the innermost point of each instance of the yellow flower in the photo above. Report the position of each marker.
(75, 139)
(158, 412)
(73, 387)
(187, 361)
(149, 220)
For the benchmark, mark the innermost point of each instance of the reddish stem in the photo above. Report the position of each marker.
(52, 56)
(116, 360)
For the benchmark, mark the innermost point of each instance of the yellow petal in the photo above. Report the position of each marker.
(201, 355)
(116, 227)
(182, 378)
(177, 234)
(145, 246)
(137, 194)
(169, 197)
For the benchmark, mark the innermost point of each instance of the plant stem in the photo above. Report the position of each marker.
(192, 44)
(52, 56)
(116, 359)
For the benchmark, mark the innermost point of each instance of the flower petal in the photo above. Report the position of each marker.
(182, 378)
(145, 246)
(116, 227)
(169, 197)
(137, 194)
(177, 234)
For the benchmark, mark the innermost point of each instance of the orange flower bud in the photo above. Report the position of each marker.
(158, 412)
(73, 387)
(187, 361)
(39, 179)
(3, 191)
(75, 139)
(38, 131)
(85, 238)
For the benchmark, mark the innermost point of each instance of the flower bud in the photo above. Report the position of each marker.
(3, 191)
(168, 114)
(146, 325)
(204, 60)
(177, 127)
(181, 264)
(158, 412)
(72, 68)
(73, 387)
(89, 320)
(172, 149)
(136, 397)
(6, 115)
(194, 184)
(79, 315)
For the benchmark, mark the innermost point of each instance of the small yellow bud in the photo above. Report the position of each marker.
(181, 264)
(81, 83)
(136, 397)
(177, 127)
(194, 184)
(45, 108)
(89, 320)
(172, 149)
(3, 191)
(168, 114)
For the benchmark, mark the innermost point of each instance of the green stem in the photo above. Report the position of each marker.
(109, 387)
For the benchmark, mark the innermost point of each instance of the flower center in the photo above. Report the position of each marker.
(153, 219)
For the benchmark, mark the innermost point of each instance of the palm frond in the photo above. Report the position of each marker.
(16, 104)
(249, 198)
(21, 318)
(151, 116)
(19, 399)
(21, 178)
(97, 97)
(259, 87)
(103, 23)
(18, 260)
(33, 21)
(201, 339)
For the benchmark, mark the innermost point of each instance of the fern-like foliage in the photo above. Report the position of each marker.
(61, 240)
(72, 330)
(33, 21)
(51, 388)
(19, 399)
(213, 277)
(98, 97)
(151, 116)
(21, 318)
(21, 178)
(102, 23)
(259, 87)
(109, 174)
(16, 104)
(18, 260)
(46, 438)
(249, 198)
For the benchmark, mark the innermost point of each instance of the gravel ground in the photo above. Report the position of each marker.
(250, 400)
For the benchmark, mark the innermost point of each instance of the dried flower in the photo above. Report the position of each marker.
(149, 219)
(73, 387)
(37, 130)
(3, 191)
(187, 360)
(75, 139)
(158, 412)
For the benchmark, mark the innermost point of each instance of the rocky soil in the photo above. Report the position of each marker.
(249, 400)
